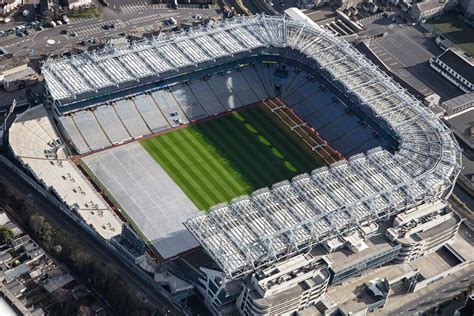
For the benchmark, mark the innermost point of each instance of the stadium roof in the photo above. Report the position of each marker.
(271, 224)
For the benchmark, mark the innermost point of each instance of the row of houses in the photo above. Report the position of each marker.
(31, 282)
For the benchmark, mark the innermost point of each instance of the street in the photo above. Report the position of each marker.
(430, 296)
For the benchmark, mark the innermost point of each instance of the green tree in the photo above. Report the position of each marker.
(36, 222)
(6, 235)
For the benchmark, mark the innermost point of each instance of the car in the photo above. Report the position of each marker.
(106, 27)
(66, 19)
(112, 25)
(63, 32)
(39, 28)
(72, 34)
(20, 34)
(58, 22)
(2, 33)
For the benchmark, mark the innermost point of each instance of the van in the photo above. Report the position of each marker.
(172, 21)
(52, 23)
(7, 19)
(66, 19)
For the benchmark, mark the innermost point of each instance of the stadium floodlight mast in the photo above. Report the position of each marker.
(10, 111)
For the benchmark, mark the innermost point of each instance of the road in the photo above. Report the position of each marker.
(56, 216)
(126, 17)
(431, 296)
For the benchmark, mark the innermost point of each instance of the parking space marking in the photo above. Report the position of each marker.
(144, 19)
(133, 7)
(97, 28)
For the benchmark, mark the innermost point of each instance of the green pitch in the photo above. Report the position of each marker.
(217, 160)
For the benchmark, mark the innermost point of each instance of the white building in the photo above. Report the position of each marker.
(76, 4)
(423, 230)
(285, 288)
(7, 6)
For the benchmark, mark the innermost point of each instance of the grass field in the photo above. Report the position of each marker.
(217, 160)
(456, 30)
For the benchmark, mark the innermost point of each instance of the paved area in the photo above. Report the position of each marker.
(129, 17)
(153, 201)
(406, 50)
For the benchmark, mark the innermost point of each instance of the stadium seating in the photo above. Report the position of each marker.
(111, 124)
(130, 117)
(90, 129)
(150, 113)
(189, 101)
(38, 147)
(206, 97)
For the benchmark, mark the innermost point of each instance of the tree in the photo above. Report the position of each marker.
(36, 222)
(6, 235)
(57, 249)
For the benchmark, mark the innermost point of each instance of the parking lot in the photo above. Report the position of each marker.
(128, 17)
(90, 29)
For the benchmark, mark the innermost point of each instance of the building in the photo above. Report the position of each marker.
(423, 230)
(274, 227)
(455, 67)
(7, 6)
(429, 9)
(130, 244)
(77, 4)
(458, 104)
(285, 288)
(19, 77)
(463, 127)
(359, 254)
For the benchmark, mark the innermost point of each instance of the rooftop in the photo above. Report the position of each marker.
(458, 63)
(345, 257)
(462, 125)
(461, 102)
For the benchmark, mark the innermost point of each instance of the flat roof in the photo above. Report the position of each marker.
(461, 125)
(346, 296)
(345, 257)
(459, 101)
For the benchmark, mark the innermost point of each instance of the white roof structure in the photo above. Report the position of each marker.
(272, 224)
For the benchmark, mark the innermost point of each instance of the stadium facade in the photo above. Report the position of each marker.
(252, 234)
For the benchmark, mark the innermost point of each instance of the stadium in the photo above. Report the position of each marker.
(255, 138)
